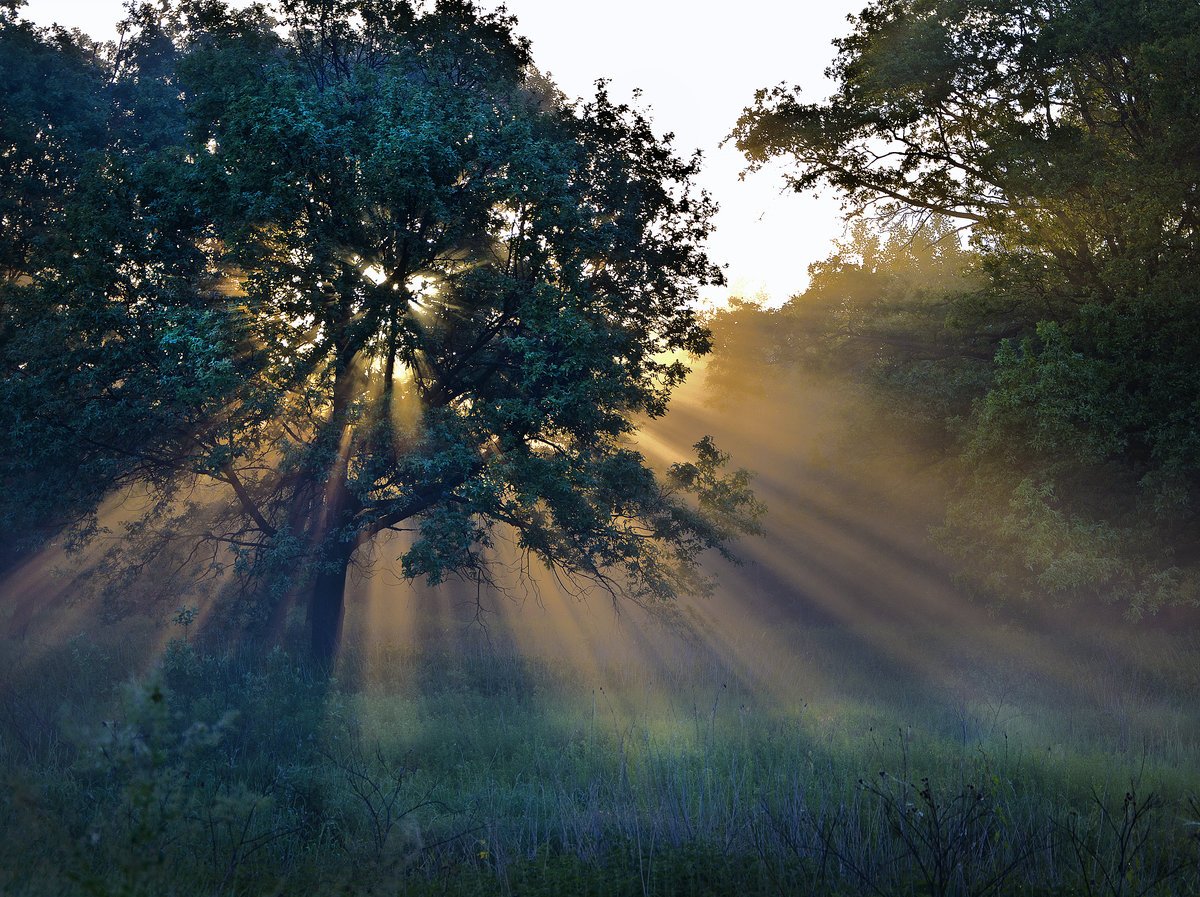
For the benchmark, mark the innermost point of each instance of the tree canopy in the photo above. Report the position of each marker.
(1063, 131)
(374, 274)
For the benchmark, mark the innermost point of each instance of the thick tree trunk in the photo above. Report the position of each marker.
(326, 600)
(326, 606)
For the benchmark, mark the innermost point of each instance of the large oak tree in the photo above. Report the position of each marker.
(440, 299)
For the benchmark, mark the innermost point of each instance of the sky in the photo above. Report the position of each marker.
(697, 65)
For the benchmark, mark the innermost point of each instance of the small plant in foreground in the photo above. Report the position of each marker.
(1114, 853)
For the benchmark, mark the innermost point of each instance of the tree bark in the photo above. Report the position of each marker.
(326, 606)
(326, 600)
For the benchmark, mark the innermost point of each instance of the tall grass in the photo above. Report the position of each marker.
(219, 775)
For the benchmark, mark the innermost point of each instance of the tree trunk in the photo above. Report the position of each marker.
(326, 605)
(326, 601)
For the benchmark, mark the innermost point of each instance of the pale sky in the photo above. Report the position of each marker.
(698, 65)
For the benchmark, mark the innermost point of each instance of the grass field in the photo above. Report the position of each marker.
(479, 772)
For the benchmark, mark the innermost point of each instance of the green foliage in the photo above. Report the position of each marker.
(1063, 131)
(1063, 135)
(111, 349)
(1096, 411)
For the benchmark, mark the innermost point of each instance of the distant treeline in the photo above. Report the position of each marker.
(1022, 272)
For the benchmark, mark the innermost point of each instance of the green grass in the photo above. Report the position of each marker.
(484, 774)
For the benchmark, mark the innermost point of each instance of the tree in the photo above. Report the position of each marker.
(443, 298)
(1061, 131)
(1063, 136)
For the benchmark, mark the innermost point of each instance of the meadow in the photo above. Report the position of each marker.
(480, 772)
